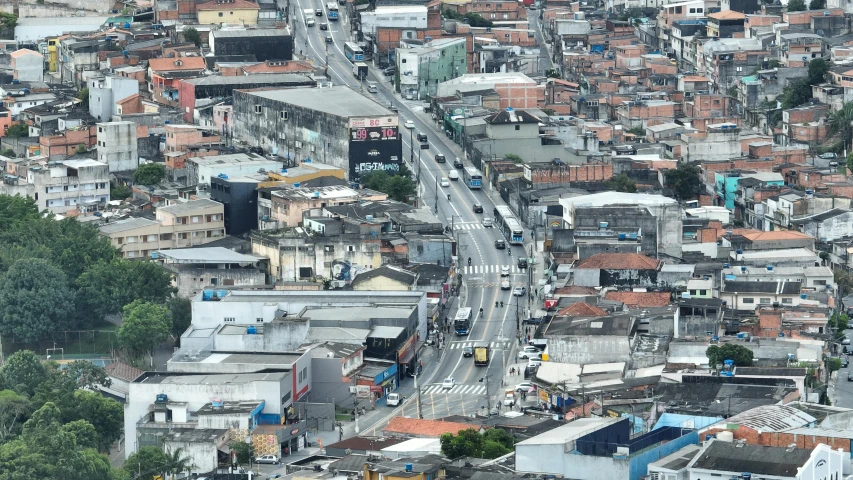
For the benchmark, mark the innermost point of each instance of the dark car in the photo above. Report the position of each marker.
(389, 71)
(467, 351)
(522, 262)
(532, 321)
(478, 208)
(844, 362)
(424, 146)
(324, 26)
(500, 244)
(440, 158)
(422, 137)
(457, 163)
(329, 39)
(318, 12)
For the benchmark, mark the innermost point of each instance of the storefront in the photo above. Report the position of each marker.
(376, 380)
(294, 437)
(407, 356)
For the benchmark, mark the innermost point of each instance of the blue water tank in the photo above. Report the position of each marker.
(206, 295)
(15, 81)
(161, 398)
(409, 467)
(803, 296)
(739, 251)
(126, 24)
(781, 334)
(743, 269)
(725, 265)
(296, 184)
(251, 330)
(221, 293)
(769, 268)
(622, 236)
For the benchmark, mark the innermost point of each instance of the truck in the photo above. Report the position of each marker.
(309, 17)
(481, 356)
(359, 70)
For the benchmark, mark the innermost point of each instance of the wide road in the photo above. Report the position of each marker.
(497, 328)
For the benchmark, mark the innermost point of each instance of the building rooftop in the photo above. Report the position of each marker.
(771, 418)
(425, 428)
(727, 15)
(205, 255)
(254, 32)
(394, 273)
(780, 287)
(340, 101)
(756, 459)
(571, 431)
(619, 261)
(126, 224)
(640, 299)
(582, 309)
(189, 207)
(231, 4)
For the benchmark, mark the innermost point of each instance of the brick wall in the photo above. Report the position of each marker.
(596, 172)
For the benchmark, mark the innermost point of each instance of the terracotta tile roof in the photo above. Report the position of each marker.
(231, 5)
(760, 235)
(131, 98)
(619, 261)
(169, 64)
(727, 15)
(425, 428)
(582, 309)
(695, 78)
(22, 52)
(123, 371)
(640, 299)
(575, 290)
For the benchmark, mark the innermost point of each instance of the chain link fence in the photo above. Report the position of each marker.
(65, 344)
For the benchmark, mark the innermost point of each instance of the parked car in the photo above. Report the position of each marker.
(410, 95)
(524, 387)
(467, 351)
(533, 321)
(522, 262)
(448, 383)
(500, 244)
(833, 164)
(846, 341)
(269, 459)
(274, 476)
(528, 351)
(519, 291)
(509, 399)
(440, 158)
(478, 208)
(844, 362)
(534, 361)
(388, 71)
(394, 399)
(850, 377)
(828, 155)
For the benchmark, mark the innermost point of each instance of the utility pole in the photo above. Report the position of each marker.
(488, 400)
(435, 209)
(418, 390)
(411, 145)
(326, 68)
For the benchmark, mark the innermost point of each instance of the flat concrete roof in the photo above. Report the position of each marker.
(206, 255)
(340, 101)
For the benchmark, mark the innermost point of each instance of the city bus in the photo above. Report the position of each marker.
(353, 52)
(462, 322)
(332, 7)
(509, 226)
(472, 178)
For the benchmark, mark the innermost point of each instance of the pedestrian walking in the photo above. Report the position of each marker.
(528, 339)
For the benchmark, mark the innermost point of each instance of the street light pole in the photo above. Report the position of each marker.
(417, 389)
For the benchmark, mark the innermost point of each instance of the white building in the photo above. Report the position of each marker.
(410, 18)
(200, 170)
(61, 186)
(117, 146)
(104, 92)
(812, 277)
(27, 65)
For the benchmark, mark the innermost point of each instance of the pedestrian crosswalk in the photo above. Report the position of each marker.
(467, 226)
(492, 345)
(483, 269)
(457, 389)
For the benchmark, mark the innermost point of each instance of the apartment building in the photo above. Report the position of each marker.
(196, 222)
(61, 187)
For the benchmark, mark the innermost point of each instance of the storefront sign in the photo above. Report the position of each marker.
(388, 373)
(376, 388)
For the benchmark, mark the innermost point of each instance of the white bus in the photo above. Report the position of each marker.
(462, 322)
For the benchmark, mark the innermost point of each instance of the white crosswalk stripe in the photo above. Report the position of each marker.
(484, 269)
(461, 345)
(457, 389)
(467, 226)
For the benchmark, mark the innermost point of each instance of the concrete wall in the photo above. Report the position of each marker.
(105, 92)
(29, 68)
(589, 349)
(328, 385)
(553, 459)
(117, 146)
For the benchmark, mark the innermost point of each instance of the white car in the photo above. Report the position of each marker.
(518, 291)
(409, 124)
(505, 271)
(394, 399)
(448, 383)
(410, 96)
(528, 352)
(509, 400)
(523, 387)
(271, 459)
(534, 362)
(445, 182)
(487, 222)
(505, 284)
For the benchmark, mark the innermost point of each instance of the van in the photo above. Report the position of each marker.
(310, 21)
(371, 87)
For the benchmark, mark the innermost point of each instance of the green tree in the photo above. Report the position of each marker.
(717, 354)
(192, 35)
(18, 130)
(145, 326)
(817, 71)
(120, 192)
(452, 15)
(34, 300)
(817, 4)
(839, 122)
(8, 21)
(17, 209)
(622, 183)
(631, 13)
(105, 414)
(844, 281)
(83, 96)
(834, 364)
(552, 73)
(397, 187)
(106, 288)
(182, 315)
(798, 92)
(148, 461)
(81, 149)
(796, 5)
(14, 409)
(685, 181)
(638, 131)
(149, 174)
(84, 433)
(476, 20)
(245, 452)
(511, 157)
(87, 375)
(8, 152)
(500, 436)
(178, 462)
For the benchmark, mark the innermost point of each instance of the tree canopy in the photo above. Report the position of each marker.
(493, 443)
(796, 5)
(717, 354)
(18, 130)
(685, 181)
(192, 35)
(149, 174)
(34, 300)
(622, 183)
(107, 287)
(145, 326)
(398, 187)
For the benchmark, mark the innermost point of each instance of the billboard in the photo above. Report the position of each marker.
(374, 144)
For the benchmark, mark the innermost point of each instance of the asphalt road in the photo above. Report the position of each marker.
(498, 325)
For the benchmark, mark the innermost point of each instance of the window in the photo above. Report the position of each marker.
(692, 10)
(350, 248)
(221, 14)
(518, 127)
(282, 115)
(787, 301)
(692, 292)
(229, 319)
(703, 292)
(764, 301)
(820, 282)
(700, 10)
(259, 320)
(748, 300)
(259, 109)
(402, 60)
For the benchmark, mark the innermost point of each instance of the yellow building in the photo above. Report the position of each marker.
(385, 278)
(228, 11)
(307, 171)
(52, 43)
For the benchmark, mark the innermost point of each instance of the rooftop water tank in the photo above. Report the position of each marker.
(803, 296)
(296, 184)
(251, 330)
(206, 295)
(725, 436)
(221, 293)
